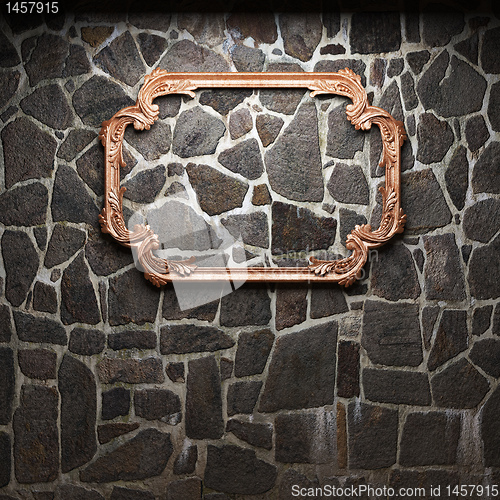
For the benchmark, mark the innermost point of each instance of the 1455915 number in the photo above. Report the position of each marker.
(32, 7)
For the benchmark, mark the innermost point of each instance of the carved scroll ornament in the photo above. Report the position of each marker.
(360, 113)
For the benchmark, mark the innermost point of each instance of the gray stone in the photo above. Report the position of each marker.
(451, 338)
(70, 200)
(78, 413)
(132, 339)
(348, 184)
(172, 310)
(408, 91)
(268, 128)
(476, 132)
(482, 220)
(40, 234)
(297, 228)
(236, 470)
(132, 299)
(8, 53)
(5, 324)
(423, 202)
(47, 59)
(394, 275)
(72, 492)
(49, 105)
(145, 186)
(291, 305)
(251, 228)
(417, 60)
(430, 439)
(490, 427)
(115, 403)
(438, 94)
(348, 369)
(146, 455)
(39, 330)
(396, 386)
(24, 206)
(203, 400)
(259, 435)
(481, 319)
(196, 133)
(75, 142)
(186, 56)
(248, 59)
(98, 99)
(373, 436)
(395, 67)
(223, 101)
(158, 404)
(153, 143)
(440, 24)
(293, 163)
(496, 321)
(78, 299)
(9, 82)
(20, 138)
(86, 342)
(493, 106)
(185, 462)
(486, 173)
(121, 60)
(309, 380)
(291, 477)
(486, 355)
(391, 333)
(377, 72)
(77, 62)
(349, 219)
(259, 24)
(247, 305)
(63, 244)
(343, 139)
(374, 32)
(90, 167)
(240, 123)
(327, 300)
(355, 65)
(226, 368)
(37, 363)
(104, 255)
(244, 159)
(460, 385)
(242, 397)
(44, 298)
(185, 489)
(304, 437)
(444, 278)
(434, 138)
(148, 20)
(490, 52)
(206, 27)
(301, 34)
(36, 442)
(457, 177)
(152, 47)
(252, 353)
(282, 101)
(131, 371)
(107, 432)
(7, 387)
(182, 339)
(5, 459)
(215, 201)
(21, 265)
(469, 48)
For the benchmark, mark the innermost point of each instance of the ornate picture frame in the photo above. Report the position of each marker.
(360, 113)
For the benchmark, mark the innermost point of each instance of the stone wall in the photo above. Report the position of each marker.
(109, 389)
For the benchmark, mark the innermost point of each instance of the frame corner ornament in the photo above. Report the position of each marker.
(360, 113)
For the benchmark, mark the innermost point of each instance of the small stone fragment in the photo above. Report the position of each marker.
(242, 397)
(38, 363)
(481, 319)
(158, 404)
(268, 128)
(248, 59)
(64, 242)
(417, 60)
(434, 137)
(244, 159)
(484, 279)
(152, 47)
(248, 305)
(348, 184)
(486, 173)
(86, 342)
(132, 339)
(7, 385)
(185, 462)
(130, 371)
(240, 123)
(259, 435)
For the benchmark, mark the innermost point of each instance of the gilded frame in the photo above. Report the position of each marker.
(360, 113)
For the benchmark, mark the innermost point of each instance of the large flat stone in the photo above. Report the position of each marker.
(39, 330)
(302, 370)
